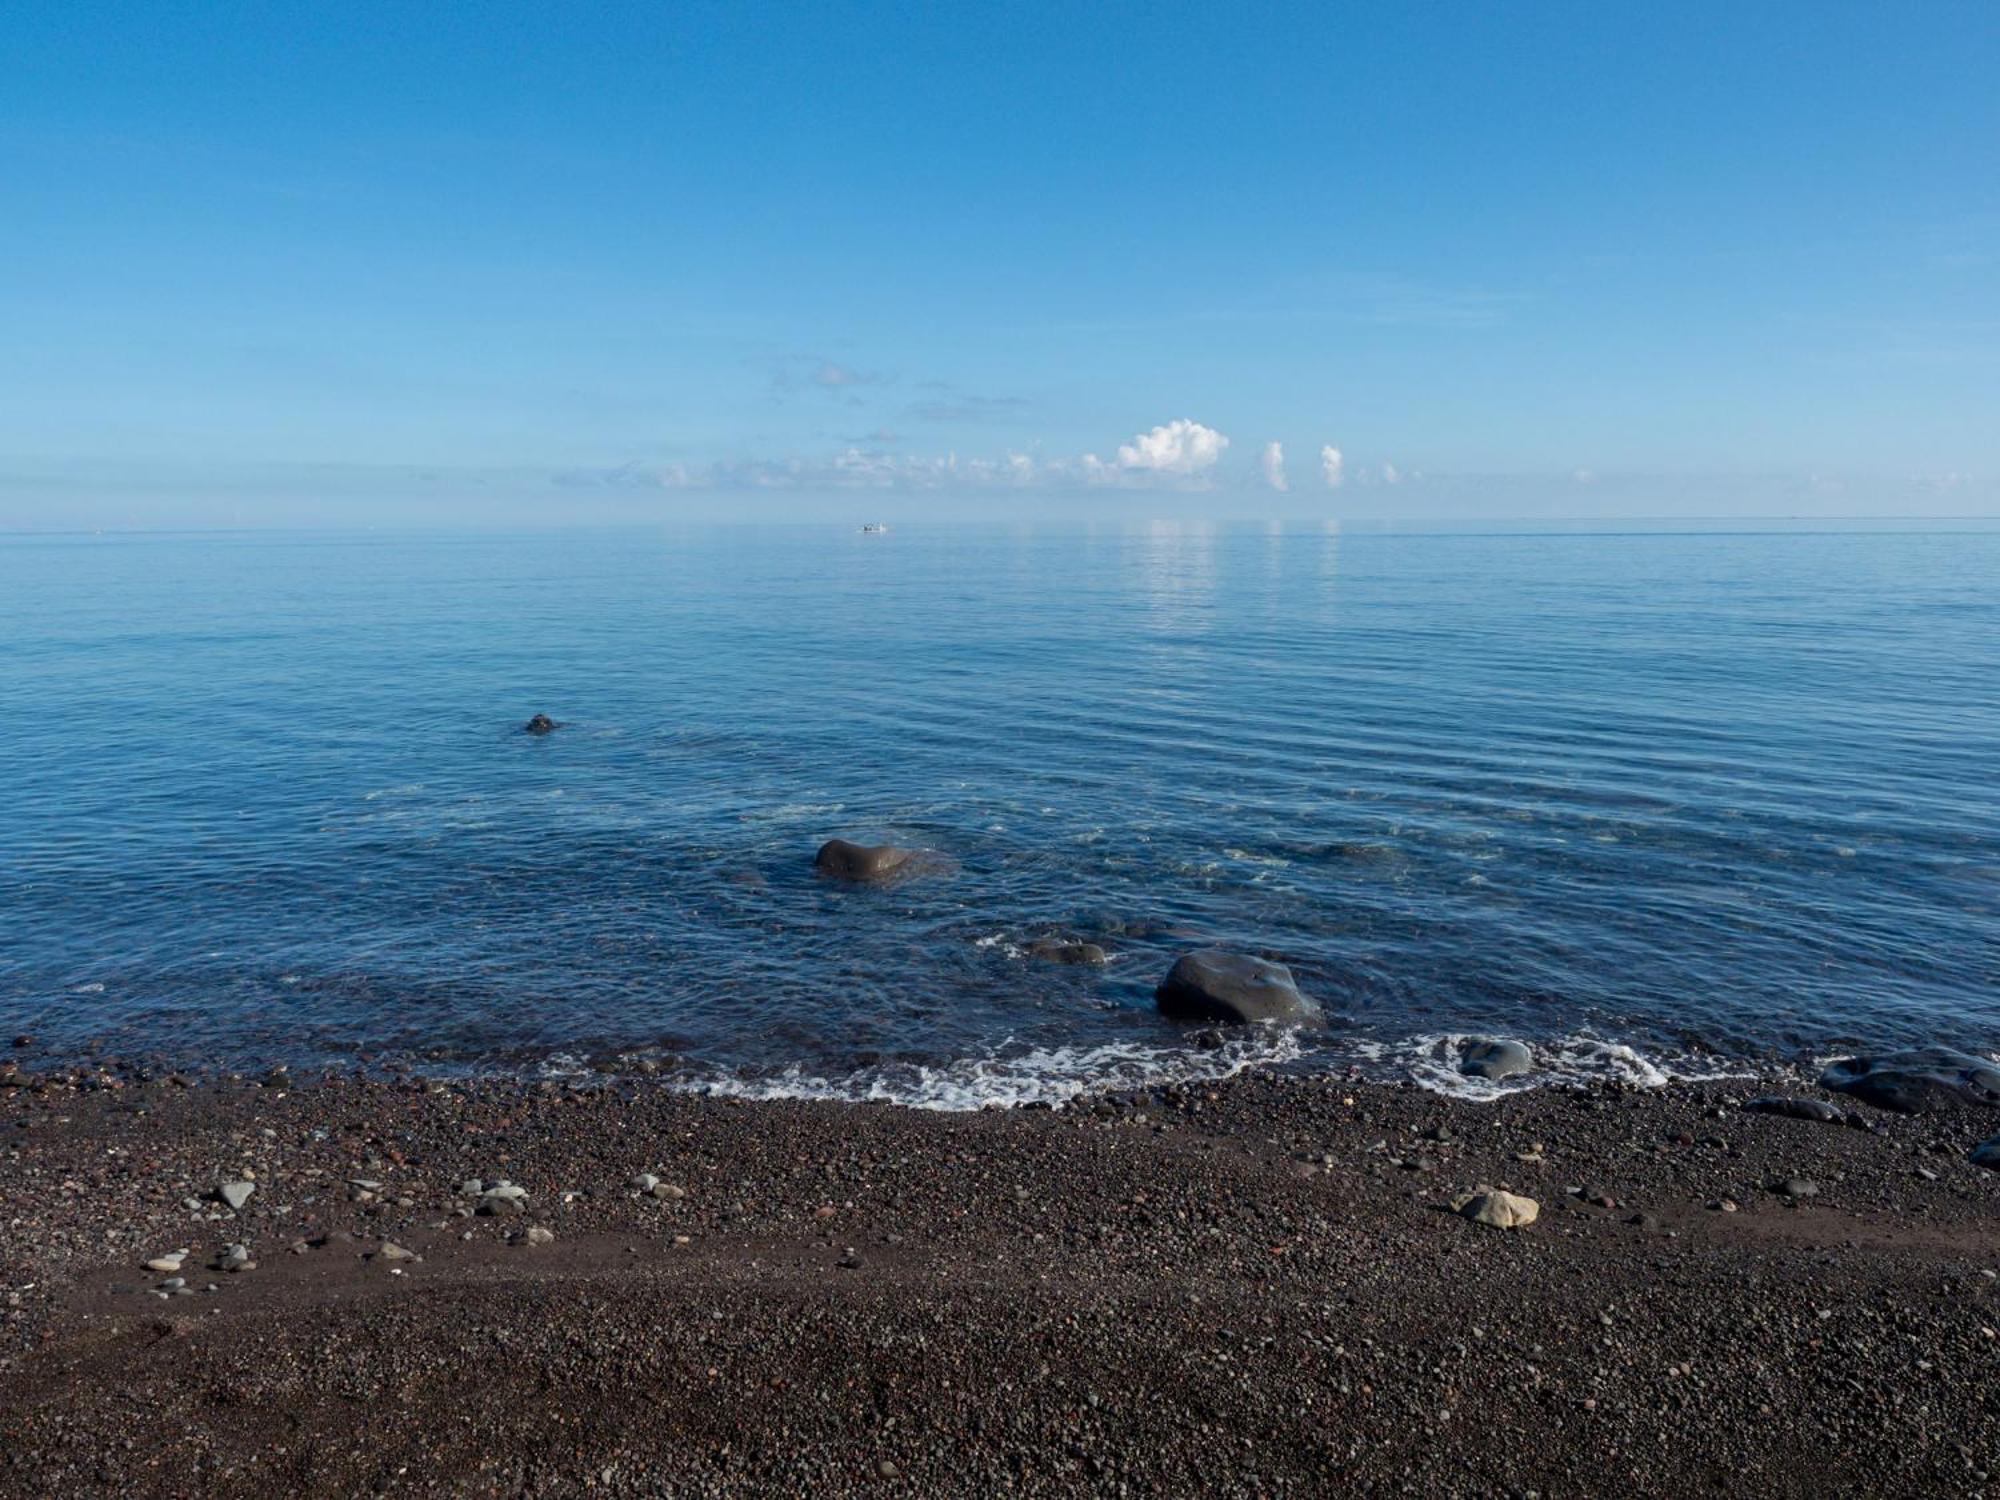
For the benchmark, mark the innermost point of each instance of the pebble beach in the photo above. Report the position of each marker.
(1277, 1284)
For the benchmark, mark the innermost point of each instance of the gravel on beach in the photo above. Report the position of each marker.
(1275, 1285)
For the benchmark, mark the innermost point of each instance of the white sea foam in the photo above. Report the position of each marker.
(1044, 1075)
(1432, 1061)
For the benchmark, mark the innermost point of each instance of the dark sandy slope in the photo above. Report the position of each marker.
(1249, 1290)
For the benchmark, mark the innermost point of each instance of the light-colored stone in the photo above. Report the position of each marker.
(236, 1194)
(1499, 1209)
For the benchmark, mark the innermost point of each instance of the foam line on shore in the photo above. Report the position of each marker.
(1051, 1076)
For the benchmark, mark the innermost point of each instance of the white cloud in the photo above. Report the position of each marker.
(1179, 455)
(1390, 475)
(1178, 447)
(1272, 465)
(1332, 466)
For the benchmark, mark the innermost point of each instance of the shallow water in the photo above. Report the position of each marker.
(1653, 800)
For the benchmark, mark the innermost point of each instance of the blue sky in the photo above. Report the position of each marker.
(266, 262)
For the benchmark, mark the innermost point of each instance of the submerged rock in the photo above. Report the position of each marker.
(1058, 951)
(1234, 989)
(1497, 1209)
(1911, 1082)
(846, 860)
(1986, 1154)
(540, 724)
(1795, 1109)
(1494, 1060)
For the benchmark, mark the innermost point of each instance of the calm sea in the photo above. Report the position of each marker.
(1655, 802)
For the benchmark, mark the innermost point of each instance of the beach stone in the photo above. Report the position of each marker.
(1912, 1081)
(541, 724)
(167, 1264)
(236, 1258)
(1986, 1154)
(236, 1194)
(537, 1234)
(1500, 1210)
(1233, 989)
(1795, 1109)
(1055, 950)
(1493, 1059)
(863, 862)
(392, 1251)
(645, 1182)
(1796, 1187)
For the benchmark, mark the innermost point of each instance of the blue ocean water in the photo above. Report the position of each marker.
(1651, 800)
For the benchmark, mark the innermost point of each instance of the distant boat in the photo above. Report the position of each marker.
(874, 527)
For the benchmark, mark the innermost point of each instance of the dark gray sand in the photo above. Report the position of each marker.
(1254, 1288)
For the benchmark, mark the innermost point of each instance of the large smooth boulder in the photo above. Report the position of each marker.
(1234, 989)
(845, 860)
(1911, 1082)
(1494, 1060)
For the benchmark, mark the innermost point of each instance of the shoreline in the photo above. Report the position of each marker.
(1255, 1286)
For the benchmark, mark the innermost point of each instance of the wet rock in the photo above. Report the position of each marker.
(1498, 1209)
(236, 1194)
(1493, 1059)
(1059, 951)
(1986, 1154)
(1795, 1109)
(540, 724)
(1913, 1081)
(864, 862)
(1233, 989)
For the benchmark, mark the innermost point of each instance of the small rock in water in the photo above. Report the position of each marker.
(1494, 1060)
(1986, 1154)
(846, 860)
(1501, 1210)
(236, 1194)
(1233, 989)
(541, 724)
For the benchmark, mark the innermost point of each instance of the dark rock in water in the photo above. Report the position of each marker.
(1057, 951)
(541, 724)
(1986, 1154)
(1796, 1109)
(1232, 988)
(1494, 1060)
(850, 861)
(1910, 1082)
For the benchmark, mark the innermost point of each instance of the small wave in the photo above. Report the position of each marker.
(1050, 1076)
(1432, 1062)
